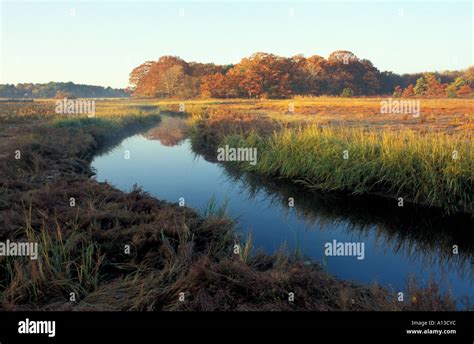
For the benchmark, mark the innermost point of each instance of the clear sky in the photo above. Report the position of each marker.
(99, 43)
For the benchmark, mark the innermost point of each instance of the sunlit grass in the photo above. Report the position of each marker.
(436, 169)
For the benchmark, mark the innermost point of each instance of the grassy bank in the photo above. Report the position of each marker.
(433, 168)
(436, 170)
(130, 251)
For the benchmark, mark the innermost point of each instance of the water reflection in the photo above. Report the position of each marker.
(413, 231)
(171, 132)
(398, 241)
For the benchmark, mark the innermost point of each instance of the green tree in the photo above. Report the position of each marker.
(421, 86)
(347, 92)
(397, 93)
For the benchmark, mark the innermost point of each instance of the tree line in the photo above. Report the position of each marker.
(432, 85)
(59, 90)
(264, 75)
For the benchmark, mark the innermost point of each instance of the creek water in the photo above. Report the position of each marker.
(399, 243)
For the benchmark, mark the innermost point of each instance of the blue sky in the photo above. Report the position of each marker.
(99, 43)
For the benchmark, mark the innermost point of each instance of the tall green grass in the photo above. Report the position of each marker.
(64, 265)
(423, 169)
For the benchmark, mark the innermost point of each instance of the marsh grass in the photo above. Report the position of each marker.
(245, 250)
(64, 265)
(396, 164)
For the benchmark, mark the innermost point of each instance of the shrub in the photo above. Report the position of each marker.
(347, 92)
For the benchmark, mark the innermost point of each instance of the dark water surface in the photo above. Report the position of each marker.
(398, 242)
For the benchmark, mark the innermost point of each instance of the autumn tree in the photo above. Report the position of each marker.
(348, 71)
(264, 75)
(409, 91)
(465, 91)
(342, 56)
(370, 83)
(317, 77)
(198, 70)
(165, 78)
(138, 73)
(214, 86)
(469, 75)
(463, 86)
(452, 89)
(434, 86)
